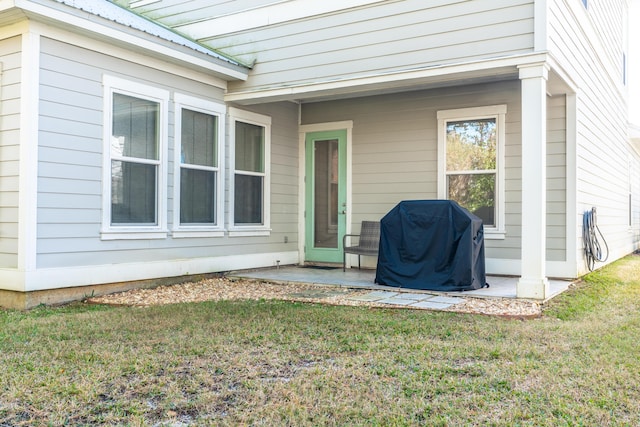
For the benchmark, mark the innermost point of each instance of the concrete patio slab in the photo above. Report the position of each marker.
(500, 286)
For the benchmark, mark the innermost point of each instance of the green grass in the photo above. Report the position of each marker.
(281, 363)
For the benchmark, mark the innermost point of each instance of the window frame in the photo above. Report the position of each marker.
(109, 231)
(497, 112)
(264, 229)
(182, 102)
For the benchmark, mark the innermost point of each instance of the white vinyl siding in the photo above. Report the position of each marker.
(10, 60)
(588, 45)
(199, 171)
(379, 38)
(556, 179)
(70, 174)
(395, 149)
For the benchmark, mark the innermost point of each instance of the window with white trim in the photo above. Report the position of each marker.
(135, 116)
(250, 163)
(198, 174)
(471, 162)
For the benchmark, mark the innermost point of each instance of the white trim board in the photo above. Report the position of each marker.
(67, 277)
(512, 267)
(28, 167)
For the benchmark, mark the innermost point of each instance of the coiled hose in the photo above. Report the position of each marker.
(592, 248)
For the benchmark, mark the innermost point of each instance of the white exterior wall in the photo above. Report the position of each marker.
(70, 251)
(10, 84)
(395, 156)
(556, 244)
(378, 38)
(588, 44)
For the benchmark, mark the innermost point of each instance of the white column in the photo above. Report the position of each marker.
(533, 282)
(28, 165)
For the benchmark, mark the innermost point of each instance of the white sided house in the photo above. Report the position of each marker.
(148, 139)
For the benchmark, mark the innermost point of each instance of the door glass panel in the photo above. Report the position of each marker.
(326, 193)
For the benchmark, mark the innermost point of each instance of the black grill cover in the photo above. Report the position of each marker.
(433, 245)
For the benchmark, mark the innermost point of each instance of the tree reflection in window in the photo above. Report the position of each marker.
(471, 166)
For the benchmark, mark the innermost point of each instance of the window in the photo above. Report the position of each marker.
(470, 163)
(250, 157)
(585, 3)
(134, 165)
(198, 174)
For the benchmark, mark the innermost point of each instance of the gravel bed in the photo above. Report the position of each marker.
(222, 288)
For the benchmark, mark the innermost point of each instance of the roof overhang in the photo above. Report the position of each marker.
(136, 34)
(485, 71)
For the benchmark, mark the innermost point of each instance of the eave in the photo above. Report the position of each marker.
(59, 14)
(485, 71)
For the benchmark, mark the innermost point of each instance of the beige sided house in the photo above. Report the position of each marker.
(143, 139)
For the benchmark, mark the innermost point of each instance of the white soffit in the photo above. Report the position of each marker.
(272, 14)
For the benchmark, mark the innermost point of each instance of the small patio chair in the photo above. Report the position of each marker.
(368, 241)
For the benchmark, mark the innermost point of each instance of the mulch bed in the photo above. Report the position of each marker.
(223, 288)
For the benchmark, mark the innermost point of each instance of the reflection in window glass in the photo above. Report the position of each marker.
(471, 166)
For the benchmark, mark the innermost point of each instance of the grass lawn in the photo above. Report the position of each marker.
(277, 363)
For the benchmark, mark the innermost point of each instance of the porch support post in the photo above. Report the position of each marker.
(533, 282)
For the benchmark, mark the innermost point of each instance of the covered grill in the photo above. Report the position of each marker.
(431, 245)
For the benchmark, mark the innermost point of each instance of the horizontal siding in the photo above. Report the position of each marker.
(380, 38)
(70, 167)
(10, 58)
(589, 43)
(395, 151)
(556, 181)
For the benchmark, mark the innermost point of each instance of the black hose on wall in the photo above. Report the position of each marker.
(592, 248)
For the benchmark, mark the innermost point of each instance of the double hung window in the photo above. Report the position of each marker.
(250, 157)
(134, 161)
(135, 166)
(471, 162)
(198, 174)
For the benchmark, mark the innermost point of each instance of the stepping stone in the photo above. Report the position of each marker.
(315, 294)
(416, 297)
(398, 301)
(374, 296)
(447, 300)
(432, 305)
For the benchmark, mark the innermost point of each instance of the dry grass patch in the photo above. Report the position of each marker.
(269, 362)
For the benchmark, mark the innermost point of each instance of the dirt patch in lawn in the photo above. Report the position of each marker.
(223, 288)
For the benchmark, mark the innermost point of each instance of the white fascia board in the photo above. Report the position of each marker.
(95, 27)
(440, 73)
(276, 13)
